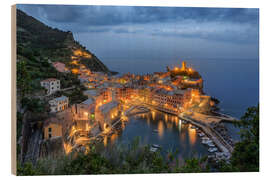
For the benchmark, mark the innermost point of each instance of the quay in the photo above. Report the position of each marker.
(203, 122)
(211, 133)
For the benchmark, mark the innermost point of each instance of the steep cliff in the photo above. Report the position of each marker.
(37, 40)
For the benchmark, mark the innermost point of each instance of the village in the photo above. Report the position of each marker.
(179, 91)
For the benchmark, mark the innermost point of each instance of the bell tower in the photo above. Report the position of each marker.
(184, 66)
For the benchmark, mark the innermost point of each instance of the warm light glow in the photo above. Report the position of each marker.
(192, 135)
(105, 141)
(75, 71)
(86, 113)
(67, 148)
(74, 62)
(160, 129)
(153, 114)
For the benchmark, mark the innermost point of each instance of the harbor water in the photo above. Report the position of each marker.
(162, 129)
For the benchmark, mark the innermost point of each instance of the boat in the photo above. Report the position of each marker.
(201, 134)
(205, 138)
(152, 149)
(156, 146)
(212, 150)
(211, 144)
(206, 141)
(155, 130)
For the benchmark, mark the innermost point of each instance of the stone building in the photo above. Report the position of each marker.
(52, 128)
(52, 85)
(106, 114)
(58, 104)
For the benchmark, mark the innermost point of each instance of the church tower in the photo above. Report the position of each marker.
(184, 66)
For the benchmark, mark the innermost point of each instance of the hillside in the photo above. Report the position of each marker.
(43, 42)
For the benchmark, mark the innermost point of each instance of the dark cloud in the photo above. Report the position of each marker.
(115, 15)
(238, 25)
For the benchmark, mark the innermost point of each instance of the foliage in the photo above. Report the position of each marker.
(23, 79)
(120, 159)
(27, 170)
(34, 105)
(246, 152)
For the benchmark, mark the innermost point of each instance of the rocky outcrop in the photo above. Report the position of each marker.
(50, 43)
(53, 147)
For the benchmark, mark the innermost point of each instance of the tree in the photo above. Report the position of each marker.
(23, 79)
(246, 152)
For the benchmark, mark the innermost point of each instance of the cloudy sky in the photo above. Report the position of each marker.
(121, 32)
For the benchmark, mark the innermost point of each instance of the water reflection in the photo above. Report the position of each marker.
(192, 135)
(179, 125)
(160, 129)
(166, 130)
(105, 141)
(113, 138)
(153, 115)
(176, 120)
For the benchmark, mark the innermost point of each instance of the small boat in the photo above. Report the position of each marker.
(155, 131)
(156, 146)
(211, 144)
(201, 134)
(206, 141)
(211, 156)
(212, 150)
(205, 138)
(152, 149)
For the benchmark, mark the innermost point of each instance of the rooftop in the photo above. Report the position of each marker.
(49, 80)
(91, 92)
(62, 98)
(105, 108)
(88, 101)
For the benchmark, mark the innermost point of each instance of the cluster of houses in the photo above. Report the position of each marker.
(106, 95)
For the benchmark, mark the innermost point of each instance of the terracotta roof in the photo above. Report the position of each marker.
(59, 66)
(49, 80)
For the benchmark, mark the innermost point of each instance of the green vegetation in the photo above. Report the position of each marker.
(135, 158)
(35, 39)
(129, 159)
(245, 157)
(246, 153)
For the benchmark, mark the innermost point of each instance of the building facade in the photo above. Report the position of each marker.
(52, 128)
(52, 85)
(58, 104)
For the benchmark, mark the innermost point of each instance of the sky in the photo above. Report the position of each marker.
(130, 33)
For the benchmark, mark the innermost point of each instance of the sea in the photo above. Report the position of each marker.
(235, 82)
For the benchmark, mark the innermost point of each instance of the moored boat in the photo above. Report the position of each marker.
(156, 146)
(201, 134)
(206, 141)
(152, 149)
(212, 150)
